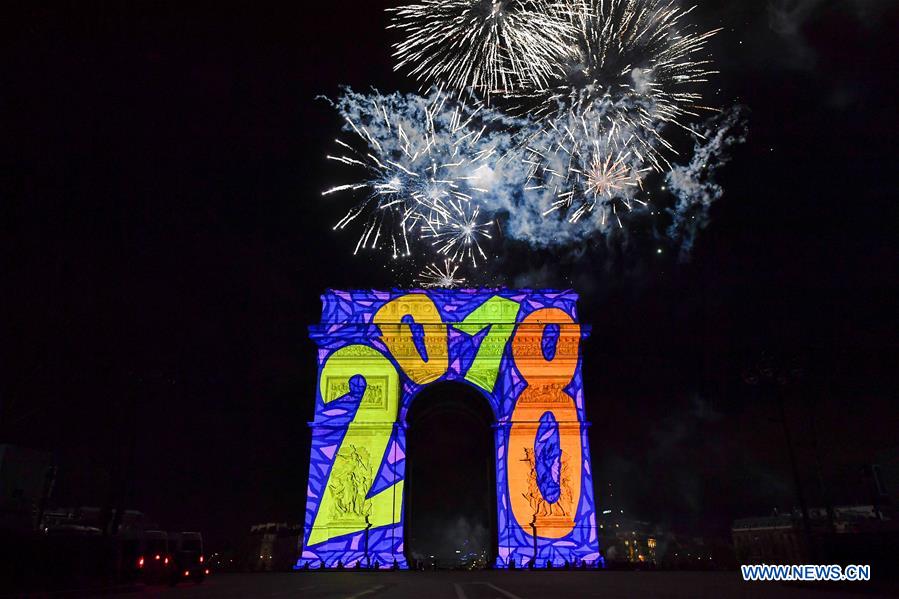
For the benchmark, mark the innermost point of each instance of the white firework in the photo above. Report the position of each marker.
(435, 276)
(417, 157)
(636, 65)
(492, 46)
(587, 94)
(586, 169)
(459, 236)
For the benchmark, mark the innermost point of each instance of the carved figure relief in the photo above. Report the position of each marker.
(350, 481)
(534, 496)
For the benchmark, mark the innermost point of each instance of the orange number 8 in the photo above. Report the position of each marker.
(546, 380)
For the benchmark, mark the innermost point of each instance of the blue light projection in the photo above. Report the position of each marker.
(519, 348)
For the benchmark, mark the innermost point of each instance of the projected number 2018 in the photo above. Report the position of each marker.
(556, 372)
(379, 349)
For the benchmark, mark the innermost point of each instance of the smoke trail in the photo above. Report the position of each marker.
(694, 184)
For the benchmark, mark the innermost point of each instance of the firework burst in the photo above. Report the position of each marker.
(419, 161)
(436, 276)
(492, 46)
(459, 236)
(586, 169)
(585, 94)
(635, 65)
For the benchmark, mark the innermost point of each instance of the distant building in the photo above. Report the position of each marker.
(628, 543)
(26, 481)
(684, 552)
(769, 540)
(626, 540)
(274, 546)
(885, 481)
(779, 538)
(92, 516)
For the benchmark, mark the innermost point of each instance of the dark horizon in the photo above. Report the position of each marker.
(166, 245)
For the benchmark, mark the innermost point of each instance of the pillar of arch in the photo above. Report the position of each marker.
(520, 348)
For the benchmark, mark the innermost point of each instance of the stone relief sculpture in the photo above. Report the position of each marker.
(350, 481)
(535, 497)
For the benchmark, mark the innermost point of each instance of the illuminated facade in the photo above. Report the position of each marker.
(378, 349)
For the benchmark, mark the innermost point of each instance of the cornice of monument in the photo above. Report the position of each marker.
(424, 315)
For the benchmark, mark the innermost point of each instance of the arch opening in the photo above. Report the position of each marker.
(450, 503)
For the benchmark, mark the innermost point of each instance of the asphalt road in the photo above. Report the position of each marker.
(494, 585)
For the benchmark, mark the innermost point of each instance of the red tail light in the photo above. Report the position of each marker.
(187, 572)
(201, 559)
(206, 571)
(157, 556)
(140, 562)
(166, 561)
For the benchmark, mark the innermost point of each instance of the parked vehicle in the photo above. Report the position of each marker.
(188, 559)
(155, 562)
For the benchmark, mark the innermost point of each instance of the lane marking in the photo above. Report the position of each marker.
(459, 592)
(503, 591)
(373, 589)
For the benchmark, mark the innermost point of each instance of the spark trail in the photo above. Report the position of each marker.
(545, 121)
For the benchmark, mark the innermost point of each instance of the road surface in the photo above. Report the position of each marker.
(493, 585)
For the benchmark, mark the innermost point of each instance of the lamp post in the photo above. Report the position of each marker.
(778, 378)
(365, 547)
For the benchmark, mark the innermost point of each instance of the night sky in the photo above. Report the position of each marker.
(165, 245)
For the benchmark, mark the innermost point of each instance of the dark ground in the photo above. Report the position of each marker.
(500, 585)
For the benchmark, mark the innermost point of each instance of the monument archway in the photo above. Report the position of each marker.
(377, 349)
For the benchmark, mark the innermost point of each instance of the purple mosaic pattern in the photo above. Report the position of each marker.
(347, 318)
(548, 458)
